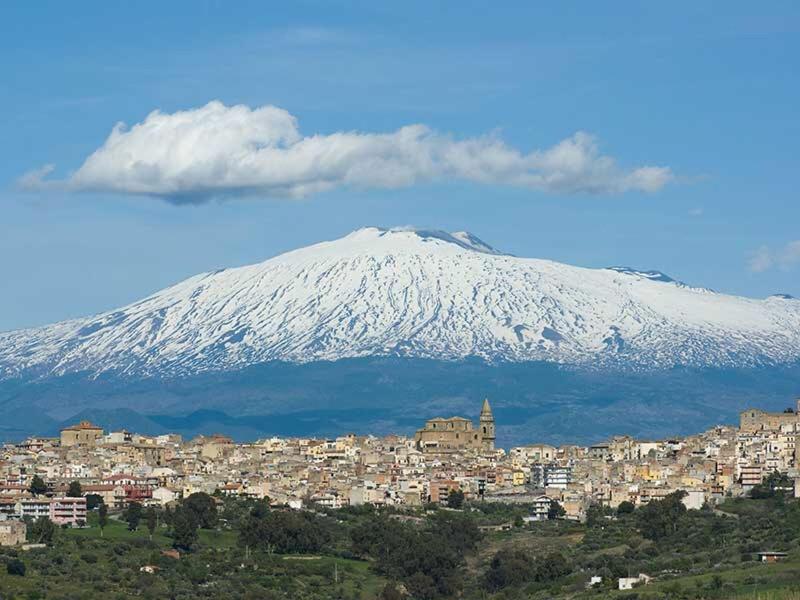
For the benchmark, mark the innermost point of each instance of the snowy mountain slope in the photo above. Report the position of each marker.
(416, 293)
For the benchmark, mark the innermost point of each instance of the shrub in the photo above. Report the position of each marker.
(16, 567)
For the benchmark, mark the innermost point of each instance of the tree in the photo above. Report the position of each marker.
(455, 499)
(152, 520)
(167, 517)
(625, 508)
(75, 490)
(42, 531)
(184, 529)
(426, 561)
(285, 532)
(551, 567)
(203, 509)
(37, 486)
(16, 567)
(514, 568)
(555, 511)
(508, 568)
(775, 485)
(133, 515)
(93, 501)
(102, 519)
(459, 529)
(661, 518)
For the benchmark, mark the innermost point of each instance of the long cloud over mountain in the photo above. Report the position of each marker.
(219, 151)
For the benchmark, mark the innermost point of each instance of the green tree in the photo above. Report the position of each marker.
(455, 499)
(428, 563)
(133, 515)
(459, 529)
(556, 511)
(37, 486)
(93, 501)
(508, 568)
(203, 509)
(514, 568)
(151, 519)
(775, 485)
(286, 532)
(625, 508)
(551, 567)
(42, 531)
(102, 517)
(184, 529)
(661, 518)
(15, 567)
(75, 490)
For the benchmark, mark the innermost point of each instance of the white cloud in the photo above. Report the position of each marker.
(217, 151)
(761, 260)
(764, 258)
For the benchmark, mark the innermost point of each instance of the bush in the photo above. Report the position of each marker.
(625, 508)
(16, 567)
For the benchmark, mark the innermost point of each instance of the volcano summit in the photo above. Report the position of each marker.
(413, 293)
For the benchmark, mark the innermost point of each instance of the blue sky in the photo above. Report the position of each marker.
(708, 90)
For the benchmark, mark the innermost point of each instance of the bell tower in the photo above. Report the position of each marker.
(487, 426)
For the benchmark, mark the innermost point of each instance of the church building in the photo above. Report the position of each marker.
(457, 434)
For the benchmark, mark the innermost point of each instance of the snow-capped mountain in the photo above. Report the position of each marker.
(403, 292)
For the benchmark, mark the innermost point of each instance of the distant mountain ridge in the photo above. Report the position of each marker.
(413, 293)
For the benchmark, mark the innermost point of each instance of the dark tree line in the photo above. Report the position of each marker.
(426, 558)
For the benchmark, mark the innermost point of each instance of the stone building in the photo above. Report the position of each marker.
(754, 419)
(82, 434)
(12, 533)
(457, 433)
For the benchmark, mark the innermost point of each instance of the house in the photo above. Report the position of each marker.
(540, 508)
(62, 511)
(627, 583)
(163, 496)
(12, 533)
(105, 491)
(440, 490)
(770, 556)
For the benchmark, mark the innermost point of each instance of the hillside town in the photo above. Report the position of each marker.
(446, 455)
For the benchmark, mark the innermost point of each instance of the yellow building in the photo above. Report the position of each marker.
(518, 478)
(82, 434)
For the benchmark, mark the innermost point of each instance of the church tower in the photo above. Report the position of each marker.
(487, 426)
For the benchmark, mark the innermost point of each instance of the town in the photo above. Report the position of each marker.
(446, 456)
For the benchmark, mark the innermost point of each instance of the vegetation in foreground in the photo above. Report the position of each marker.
(234, 548)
